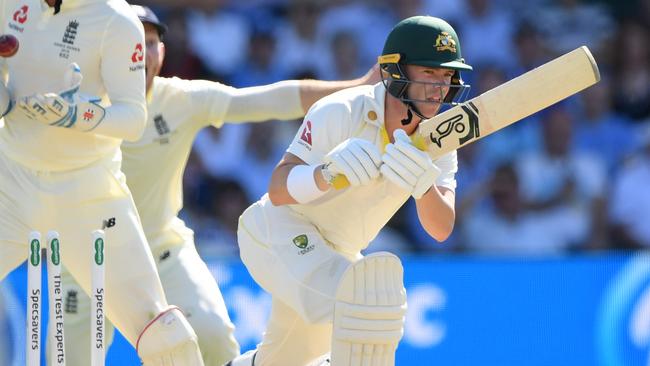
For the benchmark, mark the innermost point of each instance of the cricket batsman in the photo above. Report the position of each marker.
(60, 159)
(154, 166)
(302, 241)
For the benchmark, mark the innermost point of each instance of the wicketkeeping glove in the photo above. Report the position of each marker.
(67, 108)
(408, 167)
(355, 158)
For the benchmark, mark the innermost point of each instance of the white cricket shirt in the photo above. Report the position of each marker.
(350, 218)
(106, 39)
(154, 165)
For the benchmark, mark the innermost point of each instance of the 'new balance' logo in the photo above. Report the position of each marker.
(108, 223)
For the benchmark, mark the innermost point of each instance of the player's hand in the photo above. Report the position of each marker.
(68, 108)
(407, 166)
(357, 159)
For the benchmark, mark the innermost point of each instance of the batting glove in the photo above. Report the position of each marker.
(408, 167)
(355, 158)
(67, 108)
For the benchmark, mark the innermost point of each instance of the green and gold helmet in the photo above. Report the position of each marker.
(424, 41)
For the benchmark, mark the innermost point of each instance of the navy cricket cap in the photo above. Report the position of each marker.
(147, 15)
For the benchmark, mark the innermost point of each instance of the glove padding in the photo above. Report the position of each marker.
(408, 167)
(67, 108)
(355, 158)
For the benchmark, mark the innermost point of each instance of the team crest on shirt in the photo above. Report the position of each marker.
(67, 46)
(19, 18)
(162, 128)
(305, 136)
(302, 242)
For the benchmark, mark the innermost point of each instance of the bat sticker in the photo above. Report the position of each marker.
(455, 123)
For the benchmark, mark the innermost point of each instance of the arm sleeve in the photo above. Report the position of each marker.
(280, 100)
(448, 165)
(122, 71)
(325, 126)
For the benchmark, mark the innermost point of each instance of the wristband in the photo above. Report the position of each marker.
(301, 184)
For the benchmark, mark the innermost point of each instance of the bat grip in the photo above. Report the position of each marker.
(340, 181)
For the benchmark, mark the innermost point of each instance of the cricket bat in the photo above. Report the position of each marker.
(504, 105)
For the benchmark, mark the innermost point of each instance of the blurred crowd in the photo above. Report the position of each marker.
(574, 177)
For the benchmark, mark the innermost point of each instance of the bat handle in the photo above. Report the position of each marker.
(340, 181)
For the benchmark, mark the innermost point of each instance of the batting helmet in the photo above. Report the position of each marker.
(424, 41)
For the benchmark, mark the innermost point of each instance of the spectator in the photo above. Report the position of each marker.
(299, 47)
(568, 24)
(486, 24)
(218, 36)
(630, 206)
(633, 71)
(600, 130)
(560, 181)
(505, 226)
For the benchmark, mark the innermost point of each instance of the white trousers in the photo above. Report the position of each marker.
(287, 256)
(188, 284)
(75, 203)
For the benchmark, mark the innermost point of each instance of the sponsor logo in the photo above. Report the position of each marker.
(306, 133)
(89, 115)
(137, 57)
(99, 251)
(456, 123)
(19, 18)
(108, 223)
(56, 256)
(20, 15)
(35, 252)
(445, 42)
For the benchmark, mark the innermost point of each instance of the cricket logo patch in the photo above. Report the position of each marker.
(302, 242)
(445, 42)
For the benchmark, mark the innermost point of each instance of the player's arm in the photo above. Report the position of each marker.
(321, 150)
(278, 191)
(430, 183)
(436, 212)
(123, 74)
(286, 100)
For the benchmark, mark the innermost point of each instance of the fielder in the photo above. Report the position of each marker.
(154, 166)
(302, 241)
(60, 159)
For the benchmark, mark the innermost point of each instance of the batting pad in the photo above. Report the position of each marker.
(369, 312)
(169, 340)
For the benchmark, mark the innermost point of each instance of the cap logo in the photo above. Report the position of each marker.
(445, 42)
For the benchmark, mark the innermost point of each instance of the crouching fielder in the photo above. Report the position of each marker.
(302, 241)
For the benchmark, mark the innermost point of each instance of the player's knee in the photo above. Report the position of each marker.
(370, 308)
(169, 340)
